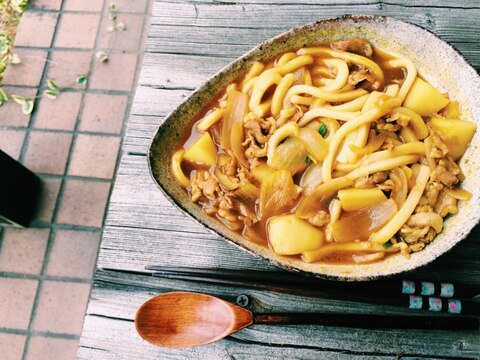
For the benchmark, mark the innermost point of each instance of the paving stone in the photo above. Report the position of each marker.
(36, 29)
(47, 152)
(65, 302)
(16, 302)
(77, 31)
(94, 156)
(73, 253)
(23, 250)
(83, 203)
(29, 71)
(60, 113)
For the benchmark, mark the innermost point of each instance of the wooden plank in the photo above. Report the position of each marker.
(153, 101)
(229, 50)
(173, 71)
(118, 295)
(132, 249)
(199, 25)
(232, 51)
(167, 242)
(144, 228)
(464, 4)
(449, 23)
(112, 340)
(139, 131)
(209, 35)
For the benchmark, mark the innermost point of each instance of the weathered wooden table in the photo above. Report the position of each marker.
(187, 42)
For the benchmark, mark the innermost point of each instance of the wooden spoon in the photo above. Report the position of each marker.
(186, 319)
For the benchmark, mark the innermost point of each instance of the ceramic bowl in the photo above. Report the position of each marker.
(436, 60)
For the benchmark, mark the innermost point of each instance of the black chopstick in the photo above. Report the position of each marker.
(357, 292)
(391, 286)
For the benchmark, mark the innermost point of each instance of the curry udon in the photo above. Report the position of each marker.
(336, 153)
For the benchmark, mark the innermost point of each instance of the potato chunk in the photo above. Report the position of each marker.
(290, 235)
(261, 172)
(355, 199)
(456, 134)
(202, 151)
(424, 99)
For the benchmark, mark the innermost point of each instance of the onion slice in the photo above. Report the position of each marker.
(400, 189)
(360, 224)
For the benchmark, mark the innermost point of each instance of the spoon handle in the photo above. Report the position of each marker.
(370, 321)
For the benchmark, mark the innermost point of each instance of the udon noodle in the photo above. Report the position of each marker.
(336, 153)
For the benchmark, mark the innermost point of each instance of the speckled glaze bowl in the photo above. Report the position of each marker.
(436, 60)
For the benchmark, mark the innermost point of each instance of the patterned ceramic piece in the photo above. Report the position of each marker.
(436, 60)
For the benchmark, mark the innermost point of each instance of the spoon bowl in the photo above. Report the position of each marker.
(184, 319)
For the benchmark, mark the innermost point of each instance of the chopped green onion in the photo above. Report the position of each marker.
(323, 130)
(388, 244)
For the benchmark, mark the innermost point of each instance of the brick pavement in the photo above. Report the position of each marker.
(73, 143)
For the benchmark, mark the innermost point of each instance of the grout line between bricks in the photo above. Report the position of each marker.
(62, 131)
(72, 90)
(111, 51)
(41, 277)
(74, 177)
(39, 333)
(81, 12)
(46, 225)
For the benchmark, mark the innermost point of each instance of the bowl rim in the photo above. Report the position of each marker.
(245, 56)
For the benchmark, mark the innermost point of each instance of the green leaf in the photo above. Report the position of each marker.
(50, 94)
(27, 107)
(308, 160)
(112, 8)
(53, 86)
(6, 42)
(19, 5)
(120, 26)
(323, 130)
(3, 65)
(3, 97)
(388, 244)
(15, 60)
(102, 56)
(110, 29)
(81, 80)
(18, 99)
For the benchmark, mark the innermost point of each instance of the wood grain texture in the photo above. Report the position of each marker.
(189, 41)
(204, 21)
(109, 330)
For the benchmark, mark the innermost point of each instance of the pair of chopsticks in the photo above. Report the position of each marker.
(421, 295)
